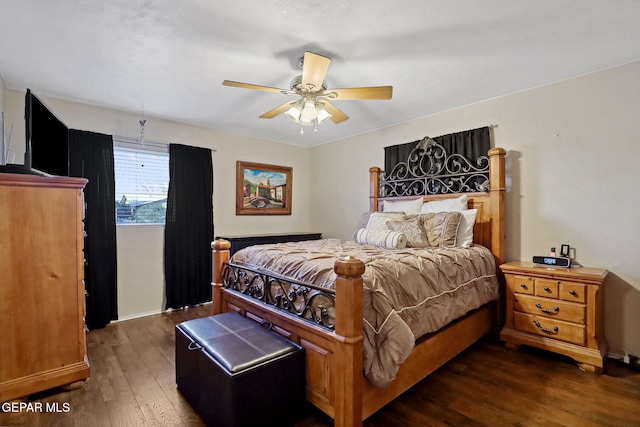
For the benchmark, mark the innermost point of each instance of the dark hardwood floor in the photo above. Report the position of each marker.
(133, 384)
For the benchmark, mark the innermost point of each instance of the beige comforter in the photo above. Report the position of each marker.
(407, 292)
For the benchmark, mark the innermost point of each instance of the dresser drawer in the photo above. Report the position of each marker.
(523, 284)
(551, 308)
(551, 328)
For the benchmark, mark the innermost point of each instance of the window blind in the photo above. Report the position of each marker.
(142, 182)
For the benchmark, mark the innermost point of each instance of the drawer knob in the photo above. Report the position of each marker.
(572, 292)
(546, 288)
(546, 330)
(523, 286)
(545, 310)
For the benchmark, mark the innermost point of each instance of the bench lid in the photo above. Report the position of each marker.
(236, 342)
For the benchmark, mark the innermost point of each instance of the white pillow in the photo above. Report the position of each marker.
(407, 206)
(458, 204)
(464, 236)
(382, 238)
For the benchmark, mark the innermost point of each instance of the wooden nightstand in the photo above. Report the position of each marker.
(556, 309)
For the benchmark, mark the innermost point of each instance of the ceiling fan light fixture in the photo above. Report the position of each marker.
(323, 114)
(296, 113)
(293, 113)
(305, 122)
(309, 112)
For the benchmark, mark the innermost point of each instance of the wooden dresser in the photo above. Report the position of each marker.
(42, 299)
(557, 309)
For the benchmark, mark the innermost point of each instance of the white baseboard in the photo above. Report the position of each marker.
(616, 356)
(138, 315)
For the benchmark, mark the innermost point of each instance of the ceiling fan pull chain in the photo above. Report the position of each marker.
(315, 125)
(301, 130)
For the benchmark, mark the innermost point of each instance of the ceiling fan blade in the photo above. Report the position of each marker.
(251, 86)
(314, 69)
(278, 110)
(337, 116)
(356, 93)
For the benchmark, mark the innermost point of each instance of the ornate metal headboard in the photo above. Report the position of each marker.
(432, 174)
(429, 169)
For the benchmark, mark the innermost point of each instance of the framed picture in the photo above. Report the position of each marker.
(263, 189)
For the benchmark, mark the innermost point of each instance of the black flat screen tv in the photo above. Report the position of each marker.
(47, 139)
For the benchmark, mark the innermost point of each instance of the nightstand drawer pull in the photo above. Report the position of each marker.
(545, 310)
(548, 331)
(523, 286)
(572, 292)
(546, 288)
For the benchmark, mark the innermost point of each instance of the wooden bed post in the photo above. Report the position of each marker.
(219, 255)
(497, 180)
(497, 193)
(374, 188)
(349, 326)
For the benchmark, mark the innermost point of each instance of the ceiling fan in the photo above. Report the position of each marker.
(312, 106)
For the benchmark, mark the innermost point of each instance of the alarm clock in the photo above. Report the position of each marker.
(552, 261)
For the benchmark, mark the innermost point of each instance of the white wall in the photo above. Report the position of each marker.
(2, 89)
(572, 160)
(140, 248)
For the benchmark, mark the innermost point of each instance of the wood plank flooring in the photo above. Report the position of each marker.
(133, 384)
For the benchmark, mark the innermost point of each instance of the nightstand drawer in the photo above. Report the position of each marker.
(547, 288)
(576, 292)
(551, 308)
(556, 329)
(523, 284)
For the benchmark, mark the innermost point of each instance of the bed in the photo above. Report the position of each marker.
(328, 321)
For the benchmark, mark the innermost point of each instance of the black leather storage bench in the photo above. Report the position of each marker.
(235, 372)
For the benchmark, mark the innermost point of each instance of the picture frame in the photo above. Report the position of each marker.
(263, 189)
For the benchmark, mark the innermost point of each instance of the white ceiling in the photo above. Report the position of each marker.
(172, 56)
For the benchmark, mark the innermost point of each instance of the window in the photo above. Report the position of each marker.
(142, 182)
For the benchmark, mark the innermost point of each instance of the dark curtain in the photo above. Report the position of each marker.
(470, 143)
(91, 157)
(189, 227)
